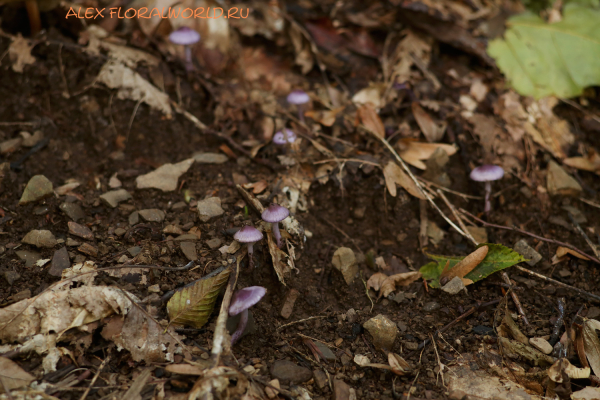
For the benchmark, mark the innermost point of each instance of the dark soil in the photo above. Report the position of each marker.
(87, 128)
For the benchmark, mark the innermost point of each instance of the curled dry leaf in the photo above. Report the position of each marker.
(591, 344)
(403, 279)
(563, 251)
(591, 162)
(398, 364)
(431, 130)
(465, 266)
(376, 280)
(19, 53)
(394, 175)
(369, 118)
(324, 117)
(282, 268)
(555, 372)
(371, 94)
(414, 152)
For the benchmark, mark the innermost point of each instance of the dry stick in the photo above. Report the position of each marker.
(414, 179)
(221, 327)
(458, 218)
(424, 223)
(515, 298)
(454, 322)
(533, 235)
(558, 283)
(445, 189)
(589, 202)
(84, 395)
(299, 321)
(504, 275)
(582, 233)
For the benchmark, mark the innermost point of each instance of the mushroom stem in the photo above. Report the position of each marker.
(33, 12)
(276, 233)
(250, 251)
(488, 193)
(240, 328)
(189, 64)
(300, 112)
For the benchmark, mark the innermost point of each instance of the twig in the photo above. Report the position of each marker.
(589, 202)
(582, 233)
(104, 362)
(424, 223)
(138, 384)
(515, 298)
(445, 189)
(559, 322)
(558, 283)
(521, 231)
(454, 322)
(299, 321)
(458, 218)
(414, 179)
(221, 327)
(134, 112)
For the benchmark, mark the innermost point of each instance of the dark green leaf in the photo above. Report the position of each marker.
(497, 259)
(193, 305)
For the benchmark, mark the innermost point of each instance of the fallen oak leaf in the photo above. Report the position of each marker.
(414, 152)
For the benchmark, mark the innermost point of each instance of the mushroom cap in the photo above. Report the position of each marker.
(248, 234)
(279, 137)
(298, 97)
(245, 298)
(486, 173)
(275, 213)
(184, 36)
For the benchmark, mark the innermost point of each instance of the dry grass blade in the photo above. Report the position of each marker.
(467, 264)
(591, 345)
(193, 305)
(134, 391)
(282, 269)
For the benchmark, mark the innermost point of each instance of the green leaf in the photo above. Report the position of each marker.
(193, 304)
(498, 258)
(541, 59)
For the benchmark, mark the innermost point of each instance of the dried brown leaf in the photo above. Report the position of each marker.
(467, 264)
(399, 365)
(282, 269)
(431, 130)
(579, 346)
(186, 369)
(589, 163)
(403, 279)
(563, 251)
(376, 280)
(324, 117)
(12, 376)
(591, 345)
(393, 175)
(369, 118)
(414, 152)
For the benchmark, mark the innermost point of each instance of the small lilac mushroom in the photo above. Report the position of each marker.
(249, 235)
(298, 98)
(487, 173)
(284, 137)
(241, 301)
(186, 37)
(275, 214)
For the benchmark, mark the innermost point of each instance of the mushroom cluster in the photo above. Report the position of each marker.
(250, 235)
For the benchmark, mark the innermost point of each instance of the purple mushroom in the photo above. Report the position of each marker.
(284, 136)
(298, 98)
(275, 214)
(186, 37)
(249, 235)
(242, 300)
(487, 173)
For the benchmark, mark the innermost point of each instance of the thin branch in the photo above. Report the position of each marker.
(220, 328)
(533, 235)
(558, 283)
